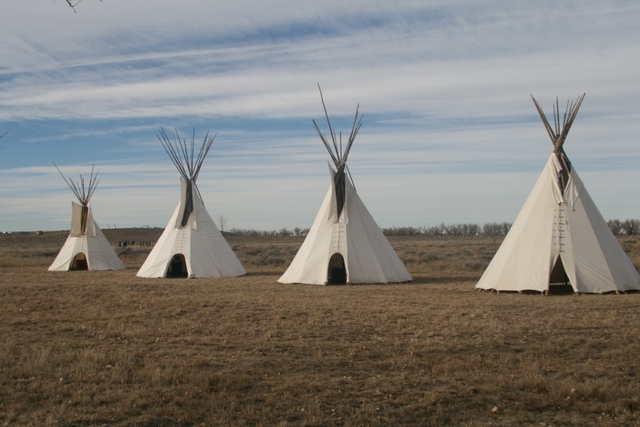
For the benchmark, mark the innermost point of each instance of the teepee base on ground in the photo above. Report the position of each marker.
(87, 253)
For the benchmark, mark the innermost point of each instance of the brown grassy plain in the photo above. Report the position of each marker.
(107, 348)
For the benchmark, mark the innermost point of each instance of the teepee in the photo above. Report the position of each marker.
(559, 235)
(86, 248)
(191, 245)
(344, 244)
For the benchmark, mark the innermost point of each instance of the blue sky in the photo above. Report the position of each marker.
(449, 133)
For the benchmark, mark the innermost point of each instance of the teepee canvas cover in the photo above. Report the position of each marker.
(344, 244)
(191, 244)
(86, 248)
(560, 235)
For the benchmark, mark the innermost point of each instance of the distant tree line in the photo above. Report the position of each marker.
(628, 227)
(283, 232)
(488, 229)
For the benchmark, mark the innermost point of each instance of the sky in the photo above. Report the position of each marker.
(450, 133)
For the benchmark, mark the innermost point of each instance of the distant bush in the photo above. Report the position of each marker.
(131, 252)
(629, 227)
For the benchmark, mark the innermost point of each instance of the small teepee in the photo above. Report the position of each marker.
(560, 237)
(191, 245)
(86, 248)
(344, 244)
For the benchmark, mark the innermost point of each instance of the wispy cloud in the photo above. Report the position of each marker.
(450, 133)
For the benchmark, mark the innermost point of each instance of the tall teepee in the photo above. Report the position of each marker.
(344, 244)
(86, 248)
(191, 244)
(559, 235)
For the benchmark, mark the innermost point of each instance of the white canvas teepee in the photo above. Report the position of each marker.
(191, 244)
(344, 244)
(559, 235)
(86, 248)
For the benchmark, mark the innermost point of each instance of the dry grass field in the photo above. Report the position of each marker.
(107, 348)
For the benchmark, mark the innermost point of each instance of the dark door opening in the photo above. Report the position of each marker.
(177, 267)
(79, 262)
(337, 274)
(558, 279)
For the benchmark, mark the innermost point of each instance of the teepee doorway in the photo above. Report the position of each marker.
(79, 262)
(558, 279)
(558, 276)
(337, 274)
(177, 267)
